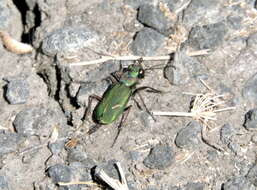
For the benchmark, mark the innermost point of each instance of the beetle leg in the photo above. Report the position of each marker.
(90, 99)
(94, 129)
(123, 119)
(153, 90)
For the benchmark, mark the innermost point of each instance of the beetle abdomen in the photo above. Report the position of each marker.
(113, 104)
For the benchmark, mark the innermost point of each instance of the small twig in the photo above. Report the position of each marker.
(134, 57)
(76, 183)
(113, 183)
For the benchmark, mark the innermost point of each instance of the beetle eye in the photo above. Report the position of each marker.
(141, 73)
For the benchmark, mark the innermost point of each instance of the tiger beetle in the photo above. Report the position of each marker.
(114, 101)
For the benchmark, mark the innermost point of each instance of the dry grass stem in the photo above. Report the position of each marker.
(204, 107)
(115, 184)
(76, 183)
(13, 45)
(134, 57)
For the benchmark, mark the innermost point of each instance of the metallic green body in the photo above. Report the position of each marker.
(113, 104)
(115, 99)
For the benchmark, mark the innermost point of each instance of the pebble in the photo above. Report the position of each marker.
(60, 173)
(147, 41)
(17, 91)
(56, 147)
(4, 183)
(68, 39)
(208, 36)
(199, 11)
(189, 137)
(91, 88)
(160, 157)
(182, 69)
(9, 142)
(151, 16)
(37, 121)
(238, 183)
(251, 119)
(109, 168)
(226, 133)
(252, 175)
(77, 154)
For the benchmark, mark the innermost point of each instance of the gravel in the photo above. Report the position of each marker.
(238, 183)
(17, 91)
(147, 41)
(160, 157)
(251, 119)
(189, 137)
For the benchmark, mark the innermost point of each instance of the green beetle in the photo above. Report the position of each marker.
(114, 102)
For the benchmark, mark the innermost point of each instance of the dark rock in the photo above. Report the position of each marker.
(4, 183)
(17, 91)
(82, 173)
(68, 39)
(109, 168)
(90, 88)
(226, 133)
(182, 69)
(252, 175)
(57, 146)
(147, 41)
(234, 22)
(202, 10)
(160, 157)
(153, 17)
(9, 142)
(249, 91)
(37, 121)
(60, 173)
(77, 154)
(189, 137)
(207, 36)
(251, 119)
(193, 186)
(238, 183)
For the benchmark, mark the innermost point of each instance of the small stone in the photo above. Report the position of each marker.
(252, 175)
(109, 168)
(147, 41)
(182, 69)
(238, 183)
(5, 14)
(17, 91)
(37, 121)
(207, 36)
(77, 154)
(153, 17)
(90, 88)
(249, 91)
(160, 157)
(226, 133)
(188, 137)
(251, 119)
(201, 11)
(81, 172)
(193, 186)
(212, 155)
(4, 183)
(252, 40)
(60, 173)
(9, 142)
(151, 188)
(234, 22)
(68, 39)
(56, 147)
(235, 148)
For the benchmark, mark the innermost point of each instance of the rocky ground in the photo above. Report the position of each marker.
(44, 141)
